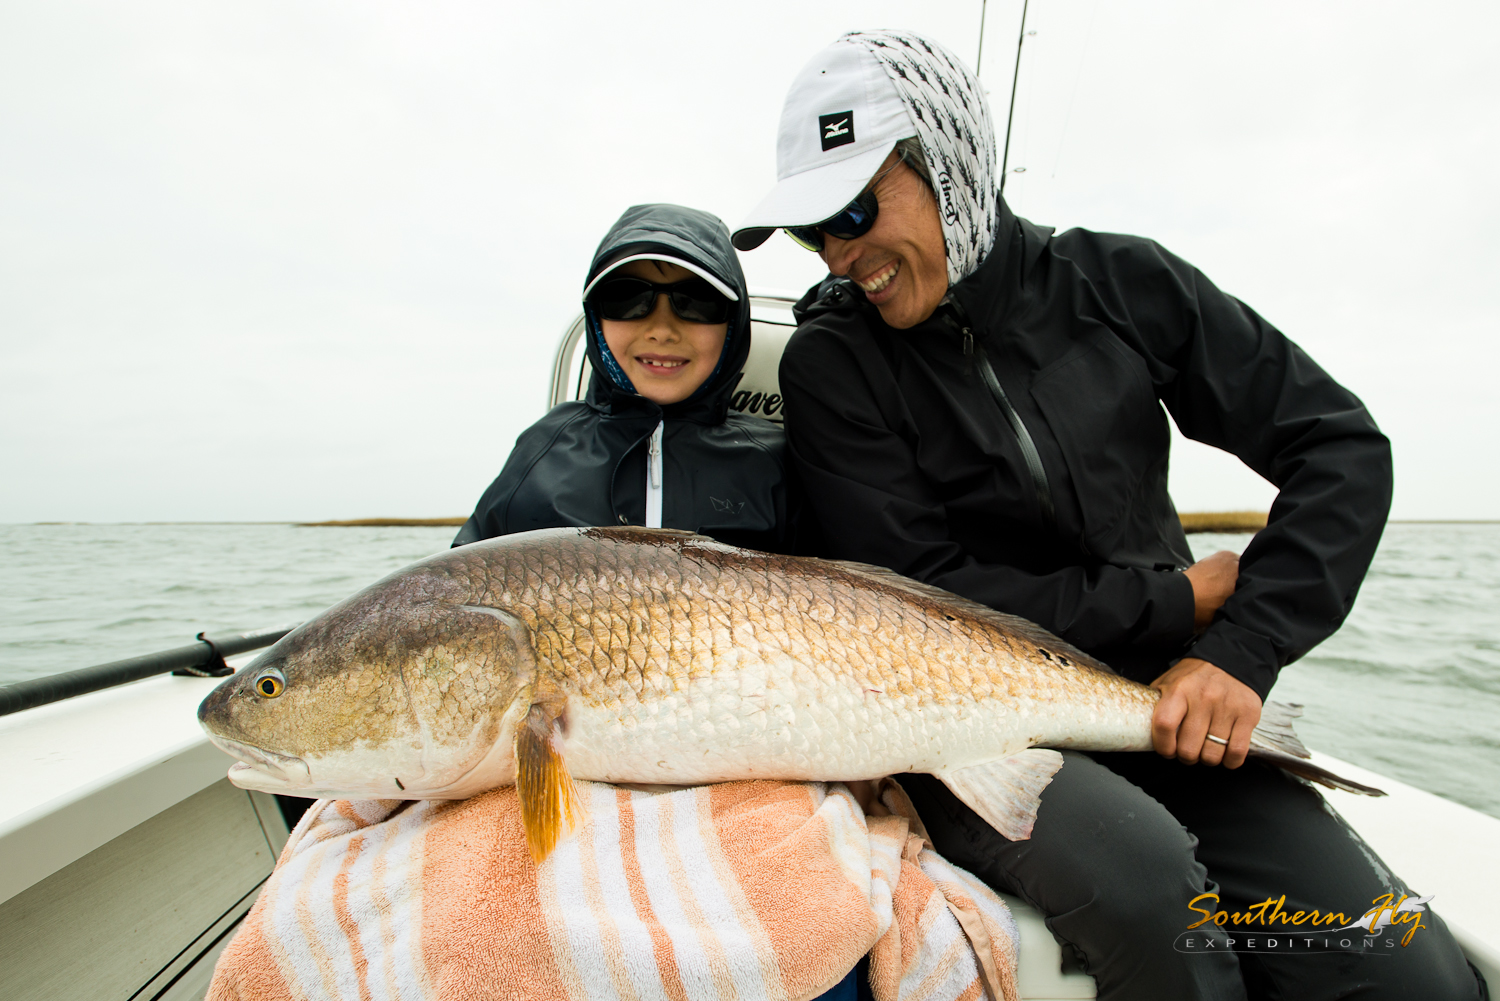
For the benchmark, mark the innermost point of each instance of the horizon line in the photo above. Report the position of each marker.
(448, 522)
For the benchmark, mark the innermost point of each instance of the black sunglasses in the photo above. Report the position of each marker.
(854, 219)
(694, 300)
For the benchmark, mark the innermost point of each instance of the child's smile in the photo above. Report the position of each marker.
(664, 356)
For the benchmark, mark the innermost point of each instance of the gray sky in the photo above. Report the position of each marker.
(310, 260)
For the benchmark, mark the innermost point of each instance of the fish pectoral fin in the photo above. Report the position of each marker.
(1006, 793)
(550, 805)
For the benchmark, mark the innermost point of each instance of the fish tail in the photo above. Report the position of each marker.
(1275, 732)
(1276, 742)
(550, 804)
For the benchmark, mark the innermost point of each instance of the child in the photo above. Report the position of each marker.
(654, 443)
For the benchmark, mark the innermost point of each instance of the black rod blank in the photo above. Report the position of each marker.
(1014, 81)
(35, 692)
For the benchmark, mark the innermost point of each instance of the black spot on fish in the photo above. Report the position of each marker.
(1044, 653)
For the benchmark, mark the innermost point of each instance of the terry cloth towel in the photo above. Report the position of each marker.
(747, 890)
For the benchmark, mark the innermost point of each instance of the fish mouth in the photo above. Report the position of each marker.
(261, 766)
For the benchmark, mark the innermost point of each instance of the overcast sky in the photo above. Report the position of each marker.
(308, 260)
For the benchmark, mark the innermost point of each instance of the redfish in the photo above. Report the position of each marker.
(665, 658)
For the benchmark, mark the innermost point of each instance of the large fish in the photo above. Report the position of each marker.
(665, 658)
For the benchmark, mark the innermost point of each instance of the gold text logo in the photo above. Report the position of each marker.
(1402, 914)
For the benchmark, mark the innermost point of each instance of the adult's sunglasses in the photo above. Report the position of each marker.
(854, 219)
(693, 299)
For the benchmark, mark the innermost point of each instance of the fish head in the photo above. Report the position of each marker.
(410, 689)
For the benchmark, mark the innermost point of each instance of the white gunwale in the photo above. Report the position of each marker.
(81, 772)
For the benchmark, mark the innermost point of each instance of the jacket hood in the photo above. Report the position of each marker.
(703, 239)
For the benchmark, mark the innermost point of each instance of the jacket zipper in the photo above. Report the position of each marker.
(653, 478)
(1029, 451)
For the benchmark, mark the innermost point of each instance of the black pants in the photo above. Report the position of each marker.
(1123, 841)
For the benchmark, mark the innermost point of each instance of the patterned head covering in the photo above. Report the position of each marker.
(951, 118)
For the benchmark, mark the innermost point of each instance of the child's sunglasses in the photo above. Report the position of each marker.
(854, 219)
(694, 300)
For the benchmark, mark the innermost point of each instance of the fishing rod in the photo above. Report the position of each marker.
(203, 658)
(1014, 80)
(979, 59)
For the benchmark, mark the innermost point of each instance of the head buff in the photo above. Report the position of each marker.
(952, 119)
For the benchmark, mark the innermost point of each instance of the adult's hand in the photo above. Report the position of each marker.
(1198, 699)
(1213, 580)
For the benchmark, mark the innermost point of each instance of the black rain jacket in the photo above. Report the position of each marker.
(911, 459)
(584, 463)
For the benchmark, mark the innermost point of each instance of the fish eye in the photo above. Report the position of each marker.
(270, 683)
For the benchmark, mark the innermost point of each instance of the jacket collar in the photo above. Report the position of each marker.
(998, 282)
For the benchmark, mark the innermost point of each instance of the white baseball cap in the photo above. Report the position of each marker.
(681, 262)
(841, 119)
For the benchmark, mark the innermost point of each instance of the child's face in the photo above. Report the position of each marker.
(665, 357)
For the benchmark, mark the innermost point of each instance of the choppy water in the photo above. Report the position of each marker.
(76, 595)
(1410, 687)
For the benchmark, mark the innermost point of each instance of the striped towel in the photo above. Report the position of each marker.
(746, 890)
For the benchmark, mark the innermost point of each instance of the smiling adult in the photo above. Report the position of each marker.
(976, 402)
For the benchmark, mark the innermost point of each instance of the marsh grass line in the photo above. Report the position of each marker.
(386, 523)
(1223, 521)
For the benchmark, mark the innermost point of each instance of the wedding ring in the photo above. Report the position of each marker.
(1217, 740)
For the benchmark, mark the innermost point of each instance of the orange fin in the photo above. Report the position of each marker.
(550, 805)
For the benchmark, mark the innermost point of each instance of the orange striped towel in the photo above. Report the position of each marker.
(739, 890)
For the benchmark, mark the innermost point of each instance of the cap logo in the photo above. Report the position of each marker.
(836, 129)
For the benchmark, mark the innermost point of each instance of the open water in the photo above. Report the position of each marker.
(1409, 687)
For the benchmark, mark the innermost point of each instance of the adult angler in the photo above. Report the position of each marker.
(976, 402)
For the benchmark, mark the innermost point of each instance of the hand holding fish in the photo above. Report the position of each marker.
(1198, 699)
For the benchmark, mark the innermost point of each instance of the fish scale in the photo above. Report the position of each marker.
(851, 637)
(662, 657)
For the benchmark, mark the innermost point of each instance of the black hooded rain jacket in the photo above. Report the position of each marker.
(585, 462)
(1043, 491)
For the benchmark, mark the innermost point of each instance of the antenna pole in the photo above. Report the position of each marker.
(1011, 115)
(979, 59)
